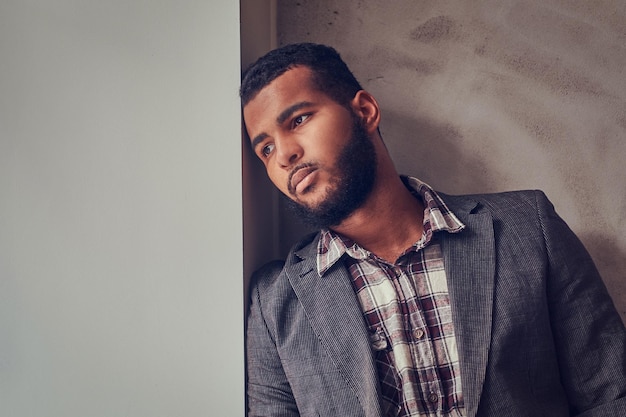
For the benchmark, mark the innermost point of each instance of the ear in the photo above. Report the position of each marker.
(366, 107)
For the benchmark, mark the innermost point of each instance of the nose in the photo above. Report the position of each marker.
(288, 152)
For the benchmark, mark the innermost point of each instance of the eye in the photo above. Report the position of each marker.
(300, 119)
(267, 149)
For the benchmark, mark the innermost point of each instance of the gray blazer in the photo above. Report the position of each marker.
(537, 333)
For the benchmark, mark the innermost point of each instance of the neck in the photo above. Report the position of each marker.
(390, 221)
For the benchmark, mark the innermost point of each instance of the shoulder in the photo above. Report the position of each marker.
(271, 294)
(526, 215)
(497, 200)
(504, 204)
(275, 273)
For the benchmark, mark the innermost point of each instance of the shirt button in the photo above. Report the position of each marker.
(433, 398)
(418, 333)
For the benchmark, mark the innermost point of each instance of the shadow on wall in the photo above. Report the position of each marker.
(611, 262)
(434, 152)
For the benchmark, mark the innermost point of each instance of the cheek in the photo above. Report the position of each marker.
(277, 177)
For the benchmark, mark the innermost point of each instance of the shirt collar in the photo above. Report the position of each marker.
(437, 217)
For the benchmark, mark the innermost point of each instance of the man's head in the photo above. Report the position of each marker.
(330, 74)
(314, 134)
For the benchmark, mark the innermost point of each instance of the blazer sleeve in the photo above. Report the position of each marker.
(589, 334)
(268, 391)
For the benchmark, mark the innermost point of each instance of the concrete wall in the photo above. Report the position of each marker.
(120, 209)
(495, 95)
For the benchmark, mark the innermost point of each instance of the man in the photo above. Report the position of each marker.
(411, 302)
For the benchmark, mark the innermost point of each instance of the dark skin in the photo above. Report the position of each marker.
(297, 130)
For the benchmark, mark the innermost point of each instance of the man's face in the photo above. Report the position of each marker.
(315, 150)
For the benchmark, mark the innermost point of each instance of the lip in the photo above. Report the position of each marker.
(297, 179)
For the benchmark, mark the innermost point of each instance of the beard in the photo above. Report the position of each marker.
(353, 183)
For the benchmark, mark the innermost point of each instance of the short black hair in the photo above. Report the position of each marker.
(331, 75)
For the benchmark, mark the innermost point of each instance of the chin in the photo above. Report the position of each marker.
(312, 198)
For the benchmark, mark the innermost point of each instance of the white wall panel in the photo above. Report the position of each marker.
(120, 209)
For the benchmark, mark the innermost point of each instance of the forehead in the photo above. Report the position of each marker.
(293, 86)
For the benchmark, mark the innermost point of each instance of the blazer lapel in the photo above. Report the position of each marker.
(469, 259)
(335, 315)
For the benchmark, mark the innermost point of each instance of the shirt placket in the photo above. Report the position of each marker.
(418, 339)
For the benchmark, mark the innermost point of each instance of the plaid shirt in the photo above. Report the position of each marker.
(407, 309)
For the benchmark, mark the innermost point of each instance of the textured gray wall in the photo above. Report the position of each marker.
(495, 95)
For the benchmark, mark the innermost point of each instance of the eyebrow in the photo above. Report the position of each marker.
(284, 115)
(257, 139)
